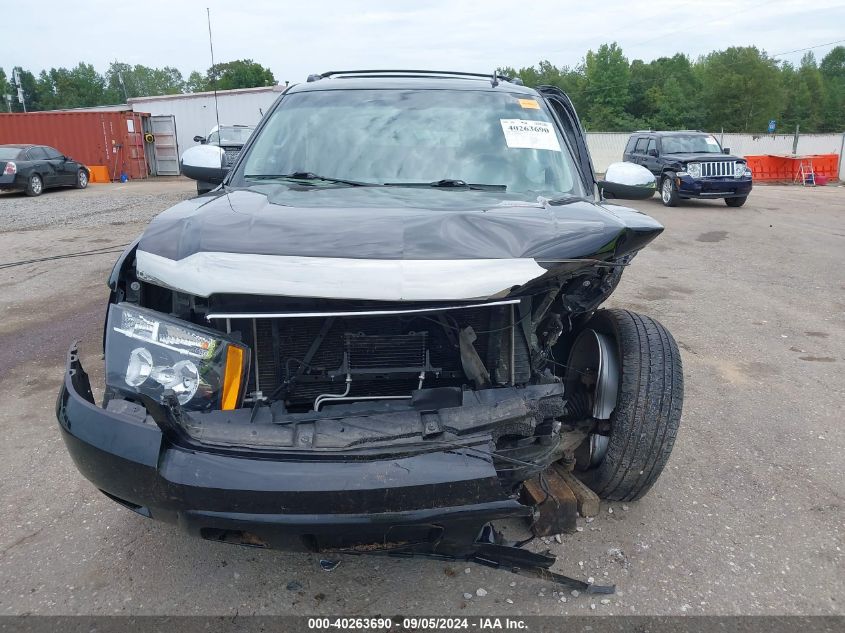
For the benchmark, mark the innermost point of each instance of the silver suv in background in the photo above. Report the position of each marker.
(231, 138)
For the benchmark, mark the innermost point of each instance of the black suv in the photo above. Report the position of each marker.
(690, 164)
(381, 323)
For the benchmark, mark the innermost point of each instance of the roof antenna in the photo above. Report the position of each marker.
(213, 71)
(495, 81)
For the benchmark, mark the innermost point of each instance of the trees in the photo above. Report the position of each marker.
(804, 95)
(741, 90)
(738, 89)
(4, 90)
(124, 81)
(78, 87)
(832, 71)
(241, 73)
(196, 82)
(607, 75)
(666, 93)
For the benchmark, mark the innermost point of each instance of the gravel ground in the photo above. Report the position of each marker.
(747, 519)
(98, 205)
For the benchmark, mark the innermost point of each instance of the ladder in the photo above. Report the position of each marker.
(806, 174)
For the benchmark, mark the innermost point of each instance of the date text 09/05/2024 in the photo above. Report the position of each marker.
(417, 623)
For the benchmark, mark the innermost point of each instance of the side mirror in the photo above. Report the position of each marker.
(628, 181)
(205, 163)
(199, 139)
(726, 150)
(652, 152)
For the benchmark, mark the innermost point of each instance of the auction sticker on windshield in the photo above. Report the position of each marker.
(526, 134)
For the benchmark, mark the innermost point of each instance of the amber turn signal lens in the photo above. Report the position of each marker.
(232, 377)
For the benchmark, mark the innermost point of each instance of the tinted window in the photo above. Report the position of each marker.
(52, 153)
(691, 143)
(234, 135)
(36, 153)
(652, 145)
(415, 136)
(641, 144)
(630, 146)
(9, 153)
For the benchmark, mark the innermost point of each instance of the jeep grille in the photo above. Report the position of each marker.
(717, 169)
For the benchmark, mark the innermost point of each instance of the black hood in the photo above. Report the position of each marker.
(706, 157)
(389, 223)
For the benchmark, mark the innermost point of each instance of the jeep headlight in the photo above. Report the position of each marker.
(151, 354)
(739, 170)
(694, 170)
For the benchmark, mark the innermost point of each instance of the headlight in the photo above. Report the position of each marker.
(694, 170)
(739, 170)
(151, 354)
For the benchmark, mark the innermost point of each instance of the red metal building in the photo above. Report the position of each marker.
(113, 139)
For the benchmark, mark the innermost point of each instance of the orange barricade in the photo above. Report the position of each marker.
(99, 173)
(786, 168)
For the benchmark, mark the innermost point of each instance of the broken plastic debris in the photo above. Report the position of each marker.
(328, 565)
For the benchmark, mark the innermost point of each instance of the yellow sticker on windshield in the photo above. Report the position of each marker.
(529, 104)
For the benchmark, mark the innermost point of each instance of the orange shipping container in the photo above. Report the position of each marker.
(113, 139)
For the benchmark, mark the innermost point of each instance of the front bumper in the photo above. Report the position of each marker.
(689, 187)
(435, 502)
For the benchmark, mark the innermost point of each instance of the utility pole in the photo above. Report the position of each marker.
(795, 139)
(16, 77)
(123, 85)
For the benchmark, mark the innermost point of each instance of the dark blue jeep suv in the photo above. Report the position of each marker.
(690, 164)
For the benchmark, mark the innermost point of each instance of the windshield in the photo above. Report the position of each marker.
(230, 135)
(407, 137)
(8, 153)
(691, 144)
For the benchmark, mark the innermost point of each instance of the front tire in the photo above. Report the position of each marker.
(35, 186)
(81, 179)
(668, 192)
(736, 202)
(645, 420)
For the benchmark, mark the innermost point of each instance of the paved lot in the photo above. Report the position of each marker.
(747, 519)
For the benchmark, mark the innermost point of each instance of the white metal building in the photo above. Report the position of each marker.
(194, 113)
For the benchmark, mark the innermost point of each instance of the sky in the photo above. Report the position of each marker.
(295, 39)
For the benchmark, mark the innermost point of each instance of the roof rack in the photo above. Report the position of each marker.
(447, 74)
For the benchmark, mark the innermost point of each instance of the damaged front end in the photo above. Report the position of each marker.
(331, 425)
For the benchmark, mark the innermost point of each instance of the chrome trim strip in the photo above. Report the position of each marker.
(303, 315)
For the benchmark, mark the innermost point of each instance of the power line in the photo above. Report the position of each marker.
(808, 48)
(699, 24)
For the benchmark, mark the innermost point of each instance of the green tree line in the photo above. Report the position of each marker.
(82, 86)
(739, 89)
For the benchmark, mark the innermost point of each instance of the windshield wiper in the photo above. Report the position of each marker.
(449, 183)
(566, 199)
(307, 175)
